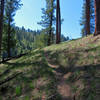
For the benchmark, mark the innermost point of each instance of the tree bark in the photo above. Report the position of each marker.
(50, 30)
(58, 23)
(50, 41)
(87, 17)
(9, 30)
(57, 26)
(1, 22)
(97, 17)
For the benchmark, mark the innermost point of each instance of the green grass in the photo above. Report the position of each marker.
(36, 77)
(79, 57)
(18, 90)
(26, 98)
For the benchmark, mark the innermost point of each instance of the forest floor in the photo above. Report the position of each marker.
(67, 71)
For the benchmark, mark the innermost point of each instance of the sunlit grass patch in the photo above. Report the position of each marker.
(18, 90)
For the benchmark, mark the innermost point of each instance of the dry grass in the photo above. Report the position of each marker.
(58, 72)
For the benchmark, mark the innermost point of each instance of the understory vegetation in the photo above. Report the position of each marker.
(39, 74)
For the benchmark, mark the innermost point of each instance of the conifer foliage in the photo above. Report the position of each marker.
(10, 10)
(51, 23)
(48, 19)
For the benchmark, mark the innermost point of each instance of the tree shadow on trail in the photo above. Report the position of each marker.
(89, 73)
(63, 70)
(71, 58)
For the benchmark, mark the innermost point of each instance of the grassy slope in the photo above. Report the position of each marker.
(77, 61)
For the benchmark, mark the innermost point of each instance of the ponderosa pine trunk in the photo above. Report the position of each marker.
(1, 22)
(87, 17)
(58, 23)
(57, 26)
(97, 17)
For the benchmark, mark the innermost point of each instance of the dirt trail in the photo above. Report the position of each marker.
(62, 87)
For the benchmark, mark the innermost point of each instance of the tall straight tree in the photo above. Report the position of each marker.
(1, 21)
(10, 10)
(51, 11)
(58, 23)
(48, 19)
(87, 17)
(97, 17)
(87, 20)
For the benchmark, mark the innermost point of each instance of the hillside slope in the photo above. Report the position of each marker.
(68, 71)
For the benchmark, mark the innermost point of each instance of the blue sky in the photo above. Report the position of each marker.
(30, 14)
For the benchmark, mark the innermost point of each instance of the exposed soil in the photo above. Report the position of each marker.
(63, 88)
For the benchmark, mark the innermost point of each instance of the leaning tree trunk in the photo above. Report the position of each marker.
(58, 23)
(1, 22)
(97, 17)
(87, 17)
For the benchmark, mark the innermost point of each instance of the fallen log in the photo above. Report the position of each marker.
(10, 78)
(15, 57)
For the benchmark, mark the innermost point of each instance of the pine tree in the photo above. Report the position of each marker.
(87, 19)
(1, 21)
(97, 17)
(48, 19)
(10, 10)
